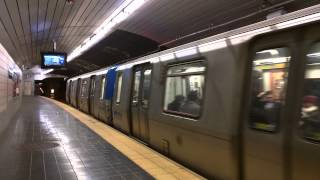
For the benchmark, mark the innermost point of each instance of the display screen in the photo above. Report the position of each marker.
(53, 60)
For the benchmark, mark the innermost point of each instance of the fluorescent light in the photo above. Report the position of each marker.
(133, 6)
(105, 29)
(314, 64)
(271, 61)
(314, 54)
(271, 51)
(120, 14)
(186, 52)
(120, 17)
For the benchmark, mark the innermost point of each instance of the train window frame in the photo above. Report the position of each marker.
(299, 123)
(203, 73)
(119, 90)
(251, 68)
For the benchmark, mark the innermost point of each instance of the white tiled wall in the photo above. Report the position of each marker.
(7, 85)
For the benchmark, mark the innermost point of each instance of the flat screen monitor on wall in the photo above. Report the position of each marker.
(53, 59)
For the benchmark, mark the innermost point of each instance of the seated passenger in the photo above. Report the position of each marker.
(265, 110)
(311, 117)
(176, 103)
(191, 106)
(310, 110)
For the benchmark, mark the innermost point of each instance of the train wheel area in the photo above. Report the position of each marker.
(155, 164)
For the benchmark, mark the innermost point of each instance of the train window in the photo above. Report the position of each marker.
(93, 86)
(83, 88)
(310, 112)
(268, 87)
(119, 87)
(135, 93)
(146, 87)
(184, 89)
(103, 85)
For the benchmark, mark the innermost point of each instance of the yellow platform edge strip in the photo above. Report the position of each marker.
(156, 164)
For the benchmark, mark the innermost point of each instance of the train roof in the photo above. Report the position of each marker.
(233, 37)
(97, 72)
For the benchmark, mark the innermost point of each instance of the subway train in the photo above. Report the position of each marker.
(244, 104)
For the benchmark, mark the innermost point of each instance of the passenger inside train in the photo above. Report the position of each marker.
(191, 106)
(184, 89)
(269, 83)
(310, 112)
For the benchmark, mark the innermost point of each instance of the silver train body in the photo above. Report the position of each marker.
(200, 103)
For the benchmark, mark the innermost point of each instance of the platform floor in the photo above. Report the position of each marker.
(51, 140)
(46, 143)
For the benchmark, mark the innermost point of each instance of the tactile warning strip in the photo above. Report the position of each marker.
(151, 161)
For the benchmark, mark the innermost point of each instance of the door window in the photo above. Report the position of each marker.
(103, 85)
(146, 87)
(93, 86)
(268, 88)
(136, 86)
(83, 88)
(119, 87)
(310, 112)
(184, 89)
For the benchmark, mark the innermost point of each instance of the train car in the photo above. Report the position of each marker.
(239, 105)
(74, 92)
(83, 96)
(92, 93)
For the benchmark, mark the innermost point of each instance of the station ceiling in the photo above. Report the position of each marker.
(30, 26)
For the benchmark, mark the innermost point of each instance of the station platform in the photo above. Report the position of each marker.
(50, 140)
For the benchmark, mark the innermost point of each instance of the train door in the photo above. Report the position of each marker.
(78, 89)
(140, 101)
(306, 134)
(91, 94)
(267, 126)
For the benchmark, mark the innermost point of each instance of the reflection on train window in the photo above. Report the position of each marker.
(268, 88)
(184, 89)
(146, 87)
(135, 93)
(103, 85)
(310, 113)
(119, 87)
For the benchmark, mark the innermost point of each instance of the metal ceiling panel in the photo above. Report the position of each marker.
(59, 11)
(104, 12)
(78, 23)
(29, 26)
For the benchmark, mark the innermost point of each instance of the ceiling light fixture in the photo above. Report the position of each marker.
(119, 15)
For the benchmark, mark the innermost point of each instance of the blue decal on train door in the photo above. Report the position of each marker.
(111, 78)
